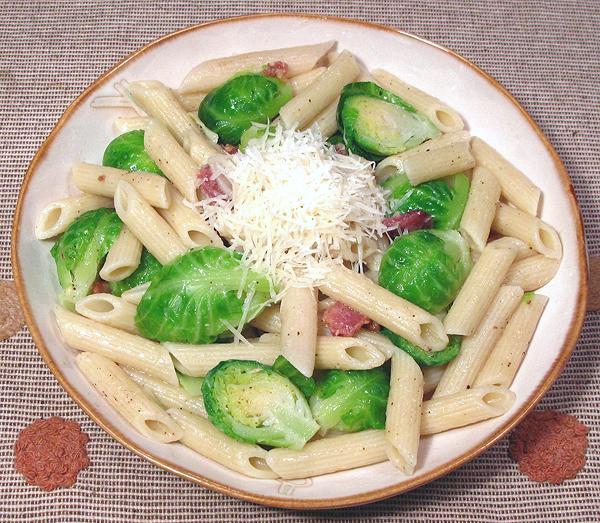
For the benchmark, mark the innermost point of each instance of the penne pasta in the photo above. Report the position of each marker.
(123, 258)
(381, 342)
(326, 120)
(506, 357)
(302, 81)
(443, 117)
(532, 272)
(108, 310)
(269, 320)
(125, 124)
(191, 101)
(127, 398)
(304, 108)
(330, 454)
(103, 181)
(134, 295)
(432, 377)
(212, 73)
(200, 147)
(83, 334)
(476, 221)
(403, 412)
(516, 187)
(461, 372)
(400, 316)
(147, 225)
(536, 233)
(55, 218)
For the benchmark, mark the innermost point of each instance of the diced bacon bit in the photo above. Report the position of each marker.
(100, 287)
(549, 446)
(343, 320)
(340, 148)
(209, 186)
(101, 178)
(230, 149)
(407, 222)
(276, 69)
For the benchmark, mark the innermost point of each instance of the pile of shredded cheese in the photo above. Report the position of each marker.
(296, 205)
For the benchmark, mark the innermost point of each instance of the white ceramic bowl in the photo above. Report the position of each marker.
(491, 113)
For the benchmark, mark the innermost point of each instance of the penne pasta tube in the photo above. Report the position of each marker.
(302, 81)
(134, 295)
(506, 357)
(55, 218)
(172, 159)
(480, 209)
(443, 117)
(337, 352)
(478, 291)
(147, 225)
(536, 233)
(521, 249)
(200, 435)
(108, 310)
(269, 320)
(123, 258)
(461, 372)
(381, 342)
(464, 408)
(191, 101)
(298, 313)
(84, 334)
(193, 230)
(212, 73)
(169, 396)
(516, 187)
(304, 108)
(124, 124)
(532, 273)
(103, 181)
(395, 164)
(200, 147)
(400, 316)
(403, 412)
(326, 120)
(438, 163)
(127, 398)
(432, 377)
(330, 454)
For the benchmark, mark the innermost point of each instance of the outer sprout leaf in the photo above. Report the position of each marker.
(283, 366)
(191, 384)
(423, 357)
(188, 299)
(127, 152)
(80, 250)
(231, 108)
(251, 402)
(426, 268)
(351, 400)
(148, 268)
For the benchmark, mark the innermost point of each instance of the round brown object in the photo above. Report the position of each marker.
(51, 452)
(11, 315)
(549, 446)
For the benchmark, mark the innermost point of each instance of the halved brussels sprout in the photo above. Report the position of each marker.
(127, 152)
(148, 268)
(376, 123)
(191, 384)
(80, 250)
(251, 402)
(231, 108)
(426, 268)
(444, 200)
(423, 357)
(351, 400)
(191, 296)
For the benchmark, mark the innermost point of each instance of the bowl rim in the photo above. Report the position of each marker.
(307, 504)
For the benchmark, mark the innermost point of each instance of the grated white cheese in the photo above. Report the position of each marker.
(296, 205)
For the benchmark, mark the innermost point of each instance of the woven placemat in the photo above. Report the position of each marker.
(545, 52)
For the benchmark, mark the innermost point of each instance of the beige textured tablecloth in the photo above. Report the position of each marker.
(544, 51)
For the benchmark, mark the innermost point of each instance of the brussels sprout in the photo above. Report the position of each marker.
(191, 384)
(80, 250)
(444, 200)
(284, 367)
(252, 133)
(148, 268)
(190, 296)
(376, 123)
(127, 152)
(426, 268)
(251, 402)
(423, 357)
(351, 400)
(231, 108)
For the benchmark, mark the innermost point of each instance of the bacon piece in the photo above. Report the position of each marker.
(100, 287)
(276, 69)
(230, 149)
(344, 321)
(209, 186)
(340, 148)
(407, 222)
(549, 446)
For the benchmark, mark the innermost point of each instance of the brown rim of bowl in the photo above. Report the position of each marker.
(347, 501)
